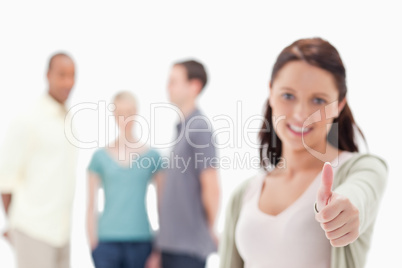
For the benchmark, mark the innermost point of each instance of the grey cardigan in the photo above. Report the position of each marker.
(362, 179)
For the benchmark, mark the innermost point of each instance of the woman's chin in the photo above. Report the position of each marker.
(297, 144)
(293, 145)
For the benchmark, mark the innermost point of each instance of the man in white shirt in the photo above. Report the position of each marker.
(37, 174)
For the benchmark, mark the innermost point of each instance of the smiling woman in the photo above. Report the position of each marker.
(308, 76)
(270, 217)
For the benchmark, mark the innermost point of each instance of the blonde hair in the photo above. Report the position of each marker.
(127, 96)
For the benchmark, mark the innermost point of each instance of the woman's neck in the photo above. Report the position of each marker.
(294, 161)
(126, 139)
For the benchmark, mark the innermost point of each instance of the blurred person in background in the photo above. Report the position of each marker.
(300, 212)
(37, 174)
(190, 189)
(121, 236)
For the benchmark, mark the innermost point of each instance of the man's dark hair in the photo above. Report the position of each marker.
(54, 56)
(195, 70)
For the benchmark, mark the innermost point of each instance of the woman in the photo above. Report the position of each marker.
(299, 212)
(122, 236)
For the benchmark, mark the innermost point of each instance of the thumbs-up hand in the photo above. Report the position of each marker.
(338, 217)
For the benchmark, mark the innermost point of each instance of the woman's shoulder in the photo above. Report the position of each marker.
(363, 160)
(371, 164)
(99, 152)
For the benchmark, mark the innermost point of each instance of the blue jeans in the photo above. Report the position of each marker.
(121, 254)
(173, 260)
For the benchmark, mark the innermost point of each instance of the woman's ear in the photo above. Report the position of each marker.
(341, 105)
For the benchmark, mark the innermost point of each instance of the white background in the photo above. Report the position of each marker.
(125, 45)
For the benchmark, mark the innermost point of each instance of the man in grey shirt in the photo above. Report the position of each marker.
(190, 193)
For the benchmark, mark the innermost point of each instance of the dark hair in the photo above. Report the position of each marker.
(54, 56)
(195, 70)
(319, 53)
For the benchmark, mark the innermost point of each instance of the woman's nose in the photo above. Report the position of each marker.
(301, 112)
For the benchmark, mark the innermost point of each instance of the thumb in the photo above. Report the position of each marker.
(325, 191)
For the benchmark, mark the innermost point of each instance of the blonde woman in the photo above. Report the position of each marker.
(121, 236)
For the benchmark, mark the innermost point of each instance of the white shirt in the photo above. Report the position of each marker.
(293, 238)
(38, 166)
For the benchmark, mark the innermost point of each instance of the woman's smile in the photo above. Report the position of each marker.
(299, 131)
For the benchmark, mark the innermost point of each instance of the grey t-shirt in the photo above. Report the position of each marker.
(183, 222)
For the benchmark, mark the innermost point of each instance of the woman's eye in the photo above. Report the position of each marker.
(288, 96)
(319, 101)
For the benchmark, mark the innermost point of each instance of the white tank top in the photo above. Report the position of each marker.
(291, 239)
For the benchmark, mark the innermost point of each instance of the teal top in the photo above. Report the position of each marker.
(125, 216)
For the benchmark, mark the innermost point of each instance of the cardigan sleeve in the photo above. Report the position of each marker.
(364, 184)
(228, 253)
(362, 179)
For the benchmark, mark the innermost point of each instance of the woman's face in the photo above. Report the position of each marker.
(124, 114)
(304, 101)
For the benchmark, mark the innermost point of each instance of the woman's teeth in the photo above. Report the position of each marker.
(299, 129)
